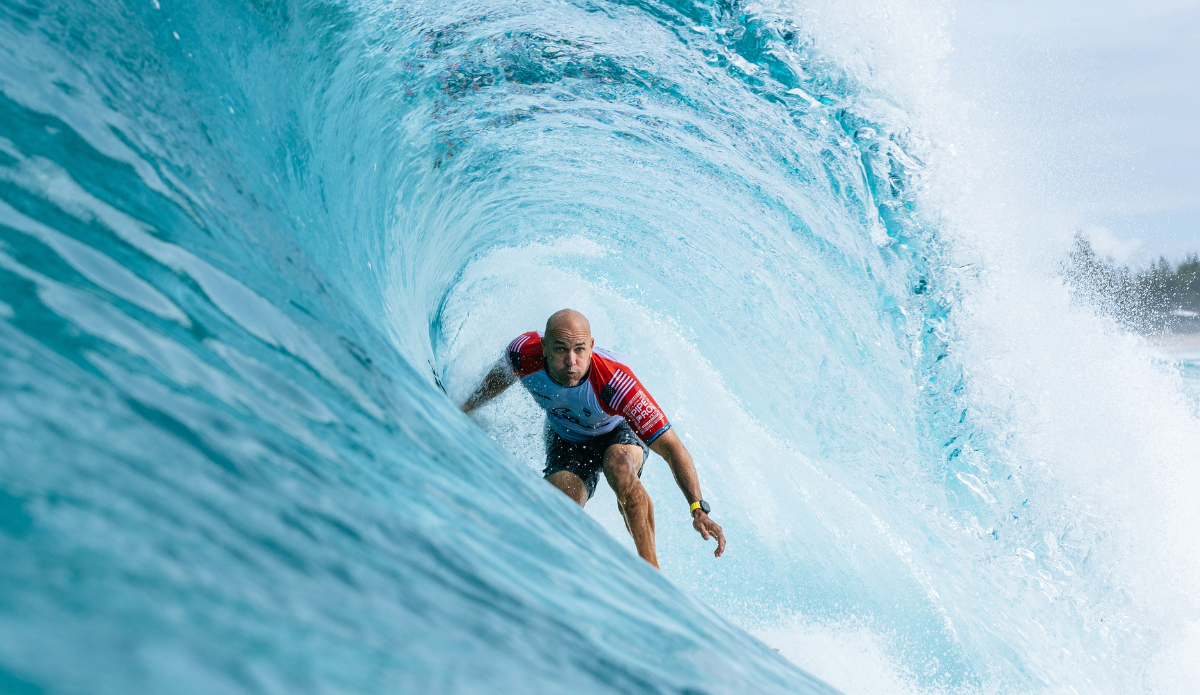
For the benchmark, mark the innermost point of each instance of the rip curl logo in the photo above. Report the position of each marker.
(565, 414)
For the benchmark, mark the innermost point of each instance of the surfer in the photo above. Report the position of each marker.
(599, 418)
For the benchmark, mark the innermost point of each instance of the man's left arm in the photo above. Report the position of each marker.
(669, 446)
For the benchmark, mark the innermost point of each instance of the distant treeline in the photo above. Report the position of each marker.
(1160, 298)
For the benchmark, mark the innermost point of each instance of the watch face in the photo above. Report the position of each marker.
(704, 507)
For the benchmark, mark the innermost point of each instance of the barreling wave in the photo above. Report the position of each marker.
(251, 255)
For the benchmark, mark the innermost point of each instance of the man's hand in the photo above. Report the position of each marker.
(708, 528)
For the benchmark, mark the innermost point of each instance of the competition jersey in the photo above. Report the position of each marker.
(597, 404)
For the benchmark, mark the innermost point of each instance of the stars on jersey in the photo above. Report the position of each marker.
(617, 388)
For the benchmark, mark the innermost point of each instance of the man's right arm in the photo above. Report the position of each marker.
(497, 380)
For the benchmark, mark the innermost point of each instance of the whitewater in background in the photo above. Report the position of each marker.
(253, 254)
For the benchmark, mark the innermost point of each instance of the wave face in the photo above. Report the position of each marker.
(253, 254)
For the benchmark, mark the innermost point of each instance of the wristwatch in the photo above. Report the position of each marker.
(701, 505)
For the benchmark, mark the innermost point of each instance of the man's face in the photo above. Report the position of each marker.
(568, 351)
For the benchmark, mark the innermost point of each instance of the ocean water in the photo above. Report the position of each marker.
(1184, 356)
(253, 254)
(1189, 368)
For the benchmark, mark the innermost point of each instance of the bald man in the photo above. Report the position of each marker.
(599, 418)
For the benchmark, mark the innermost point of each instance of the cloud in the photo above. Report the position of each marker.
(1106, 243)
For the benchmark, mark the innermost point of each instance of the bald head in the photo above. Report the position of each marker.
(569, 321)
(567, 346)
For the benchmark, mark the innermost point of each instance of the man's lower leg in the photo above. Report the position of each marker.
(638, 511)
(621, 464)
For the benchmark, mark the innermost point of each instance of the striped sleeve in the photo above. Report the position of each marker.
(623, 394)
(525, 354)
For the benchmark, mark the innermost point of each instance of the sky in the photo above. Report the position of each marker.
(1104, 99)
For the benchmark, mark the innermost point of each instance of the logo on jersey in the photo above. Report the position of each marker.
(642, 411)
(565, 414)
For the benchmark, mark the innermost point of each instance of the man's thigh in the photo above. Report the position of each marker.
(571, 484)
(623, 465)
(582, 460)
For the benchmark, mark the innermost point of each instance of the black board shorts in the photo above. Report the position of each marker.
(586, 459)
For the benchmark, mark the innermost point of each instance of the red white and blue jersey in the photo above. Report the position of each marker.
(597, 404)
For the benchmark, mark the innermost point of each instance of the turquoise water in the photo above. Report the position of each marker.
(251, 255)
(1187, 361)
(1190, 369)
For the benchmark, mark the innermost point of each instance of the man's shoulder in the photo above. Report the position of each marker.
(526, 342)
(610, 358)
(620, 392)
(609, 370)
(525, 353)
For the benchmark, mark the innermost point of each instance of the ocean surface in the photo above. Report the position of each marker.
(1183, 354)
(253, 254)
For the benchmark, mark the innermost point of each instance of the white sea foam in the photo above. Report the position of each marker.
(1093, 423)
(848, 655)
